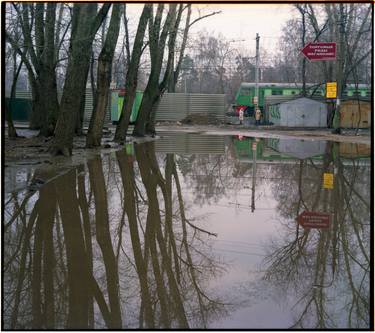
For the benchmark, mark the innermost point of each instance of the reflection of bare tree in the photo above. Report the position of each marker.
(23, 245)
(208, 176)
(127, 174)
(69, 264)
(104, 239)
(328, 269)
(84, 206)
(166, 257)
(76, 257)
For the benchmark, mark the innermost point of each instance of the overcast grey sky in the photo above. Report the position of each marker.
(238, 22)
(243, 21)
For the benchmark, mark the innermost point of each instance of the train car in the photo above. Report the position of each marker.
(246, 92)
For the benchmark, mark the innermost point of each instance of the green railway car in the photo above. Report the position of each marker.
(246, 92)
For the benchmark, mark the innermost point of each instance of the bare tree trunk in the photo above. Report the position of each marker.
(12, 133)
(87, 23)
(41, 60)
(132, 75)
(81, 115)
(94, 134)
(47, 77)
(158, 38)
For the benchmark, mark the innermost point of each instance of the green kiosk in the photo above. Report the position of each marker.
(117, 100)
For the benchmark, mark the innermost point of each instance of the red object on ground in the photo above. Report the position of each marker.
(314, 220)
(320, 51)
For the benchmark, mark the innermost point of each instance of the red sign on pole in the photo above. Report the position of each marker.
(320, 51)
(314, 220)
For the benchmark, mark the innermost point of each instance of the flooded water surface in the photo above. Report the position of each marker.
(194, 231)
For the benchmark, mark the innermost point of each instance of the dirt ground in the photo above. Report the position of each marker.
(363, 136)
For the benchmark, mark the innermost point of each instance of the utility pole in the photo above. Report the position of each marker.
(257, 70)
(339, 71)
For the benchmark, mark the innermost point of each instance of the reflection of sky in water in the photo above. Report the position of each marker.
(242, 236)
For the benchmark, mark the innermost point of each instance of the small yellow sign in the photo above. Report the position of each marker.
(331, 90)
(328, 180)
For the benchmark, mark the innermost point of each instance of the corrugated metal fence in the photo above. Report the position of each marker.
(172, 106)
(88, 103)
(176, 106)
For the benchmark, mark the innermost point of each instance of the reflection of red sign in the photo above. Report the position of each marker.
(314, 220)
(320, 51)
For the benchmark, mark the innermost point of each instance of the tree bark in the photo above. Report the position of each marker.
(132, 75)
(75, 82)
(12, 133)
(42, 62)
(94, 135)
(158, 38)
(47, 77)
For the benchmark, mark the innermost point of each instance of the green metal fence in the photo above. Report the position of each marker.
(20, 108)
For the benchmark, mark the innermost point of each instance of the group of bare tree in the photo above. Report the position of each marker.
(56, 44)
(349, 25)
(212, 57)
(45, 36)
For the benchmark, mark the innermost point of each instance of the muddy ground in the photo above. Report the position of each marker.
(33, 150)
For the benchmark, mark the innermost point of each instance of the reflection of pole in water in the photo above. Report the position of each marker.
(254, 148)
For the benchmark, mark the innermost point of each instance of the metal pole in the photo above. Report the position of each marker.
(339, 78)
(257, 69)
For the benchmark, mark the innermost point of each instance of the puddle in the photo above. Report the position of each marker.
(193, 231)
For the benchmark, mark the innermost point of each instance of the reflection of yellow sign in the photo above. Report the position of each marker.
(331, 89)
(328, 180)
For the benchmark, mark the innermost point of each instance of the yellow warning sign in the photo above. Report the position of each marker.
(331, 90)
(328, 180)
